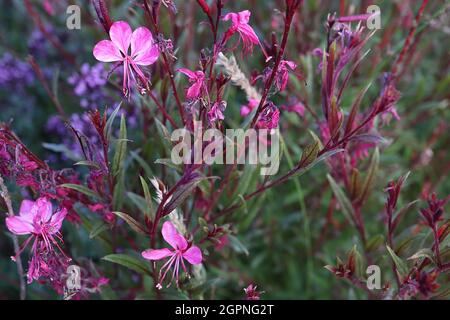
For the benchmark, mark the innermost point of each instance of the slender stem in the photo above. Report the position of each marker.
(408, 40)
(5, 195)
(290, 12)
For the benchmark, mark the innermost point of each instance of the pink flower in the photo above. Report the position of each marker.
(197, 79)
(216, 112)
(144, 51)
(283, 73)
(251, 293)
(245, 110)
(181, 251)
(37, 220)
(269, 117)
(298, 108)
(240, 24)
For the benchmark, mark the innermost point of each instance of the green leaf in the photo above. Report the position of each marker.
(374, 242)
(135, 225)
(98, 228)
(237, 245)
(164, 133)
(119, 191)
(423, 253)
(319, 159)
(373, 167)
(355, 109)
(109, 122)
(182, 192)
(142, 163)
(80, 188)
(129, 262)
(310, 154)
(169, 163)
(121, 148)
(401, 266)
(87, 163)
(150, 212)
(138, 200)
(343, 200)
(401, 213)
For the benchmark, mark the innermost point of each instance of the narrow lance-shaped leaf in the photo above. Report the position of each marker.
(129, 262)
(150, 212)
(400, 265)
(355, 109)
(343, 200)
(109, 122)
(86, 191)
(319, 159)
(121, 148)
(309, 154)
(98, 228)
(373, 167)
(423, 253)
(182, 192)
(135, 225)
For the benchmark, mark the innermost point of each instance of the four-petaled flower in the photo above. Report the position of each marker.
(240, 24)
(181, 251)
(144, 51)
(36, 219)
(197, 79)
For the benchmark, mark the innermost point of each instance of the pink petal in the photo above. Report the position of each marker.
(233, 16)
(191, 74)
(43, 209)
(120, 34)
(157, 254)
(106, 51)
(194, 90)
(290, 64)
(57, 220)
(26, 208)
(171, 235)
(148, 57)
(19, 225)
(244, 16)
(143, 50)
(245, 111)
(249, 33)
(193, 255)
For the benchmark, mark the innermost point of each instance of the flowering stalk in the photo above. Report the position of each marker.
(154, 17)
(52, 39)
(407, 43)
(291, 8)
(102, 13)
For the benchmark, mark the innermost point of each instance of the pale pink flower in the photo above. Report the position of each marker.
(36, 218)
(197, 80)
(180, 251)
(246, 109)
(240, 24)
(143, 52)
